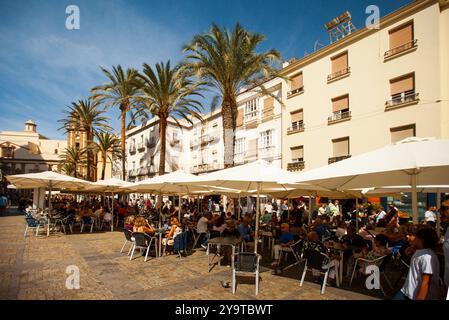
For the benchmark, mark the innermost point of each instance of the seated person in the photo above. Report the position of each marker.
(266, 217)
(245, 230)
(323, 229)
(129, 224)
(220, 225)
(285, 240)
(175, 230)
(313, 243)
(341, 229)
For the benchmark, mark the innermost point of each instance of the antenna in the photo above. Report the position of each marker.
(317, 43)
(340, 26)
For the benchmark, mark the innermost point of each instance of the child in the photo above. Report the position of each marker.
(422, 281)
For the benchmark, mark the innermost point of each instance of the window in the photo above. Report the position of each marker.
(77, 145)
(400, 133)
(401, 39)
(339, 66)
(297, 120)
(240, 145)
(268, 107)
(134, 165)
(175, 136)
(7, 152)
(340, 109)
(296, 84)
(297, 153)
(251, 109)
(266, 139)
(340, 147)
(152, 161)
(402, 89)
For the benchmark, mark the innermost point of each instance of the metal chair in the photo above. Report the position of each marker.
(32, 223)
(87, 221)
(380, 262)
(142, 241)
(245, 262)
(318, 261)
(128, 238)
(296, 249)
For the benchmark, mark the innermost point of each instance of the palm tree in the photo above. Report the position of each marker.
(228, 62)
(121, 91)
(71, 159)
(86, 116)
(109, 147)
(167, 94)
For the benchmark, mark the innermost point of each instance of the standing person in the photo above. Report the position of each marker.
(284, 210)
(269, 208)
(444, 211)
(392, 212)
(322, 209)
(430, 216)
(380, 214)
(3, 203)
(422, 281)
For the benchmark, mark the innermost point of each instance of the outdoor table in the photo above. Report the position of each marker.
(159, 233)
(222, 241)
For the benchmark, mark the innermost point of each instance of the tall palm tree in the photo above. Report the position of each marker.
(109, 147)
(71, 159)
(121, 91)
(227, 62)
(167, 93)
(86, 116)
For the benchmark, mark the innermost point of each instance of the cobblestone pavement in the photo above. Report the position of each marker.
(34, 268)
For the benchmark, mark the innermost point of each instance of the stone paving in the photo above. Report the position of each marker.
(35, 268)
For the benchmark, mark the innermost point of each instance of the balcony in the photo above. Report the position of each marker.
(151, 143)
(296, 127)
(295, 92)
(402, 100)
(132, 150)
(336, 159)
(339, 116)
(296, 165)
(251, 119)
(339, 75)
(132, 173)
(398, 51)
(207, 167)
(141, 147)
(268, 152)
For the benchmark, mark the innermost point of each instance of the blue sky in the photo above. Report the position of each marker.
(44, 66)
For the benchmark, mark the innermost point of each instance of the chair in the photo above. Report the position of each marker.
(245, 262)
(296, 249)
(180, 243)
(89, 221)
(381, 262)
(128, 238)
(142, 241)
(318, 261)
(197, 236)
(32, 223)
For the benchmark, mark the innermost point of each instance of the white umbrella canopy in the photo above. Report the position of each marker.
(412, 161)
(110, 185)
(177, 182)
(46, 179)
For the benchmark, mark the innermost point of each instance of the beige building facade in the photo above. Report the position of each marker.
(369, 89)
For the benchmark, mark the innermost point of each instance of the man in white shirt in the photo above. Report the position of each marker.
(380, 214)
(322, 209)
(430, 216)
(269, 207)
(202, 228)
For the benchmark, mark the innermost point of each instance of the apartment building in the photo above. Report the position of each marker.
(143, 150)
(371, 88)
(206, 144)
(259, 122)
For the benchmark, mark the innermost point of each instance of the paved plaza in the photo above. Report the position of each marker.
(34, 268)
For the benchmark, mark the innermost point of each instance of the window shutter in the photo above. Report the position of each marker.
(398, 134)
(239, 117)
(339, 62)
(402, 84)
(340, 103)
(401, 36)
(297, 115)
(297, 81)
(297, 152)
(341, 147)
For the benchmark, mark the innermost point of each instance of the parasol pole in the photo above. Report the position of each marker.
(256, 237)
(112, 210)
(414, 199)
(438, 212)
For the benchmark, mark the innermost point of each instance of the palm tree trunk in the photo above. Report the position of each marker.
(162, 138)
(229, 117)
(89, 154)
(123, 140)
(103, 169)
